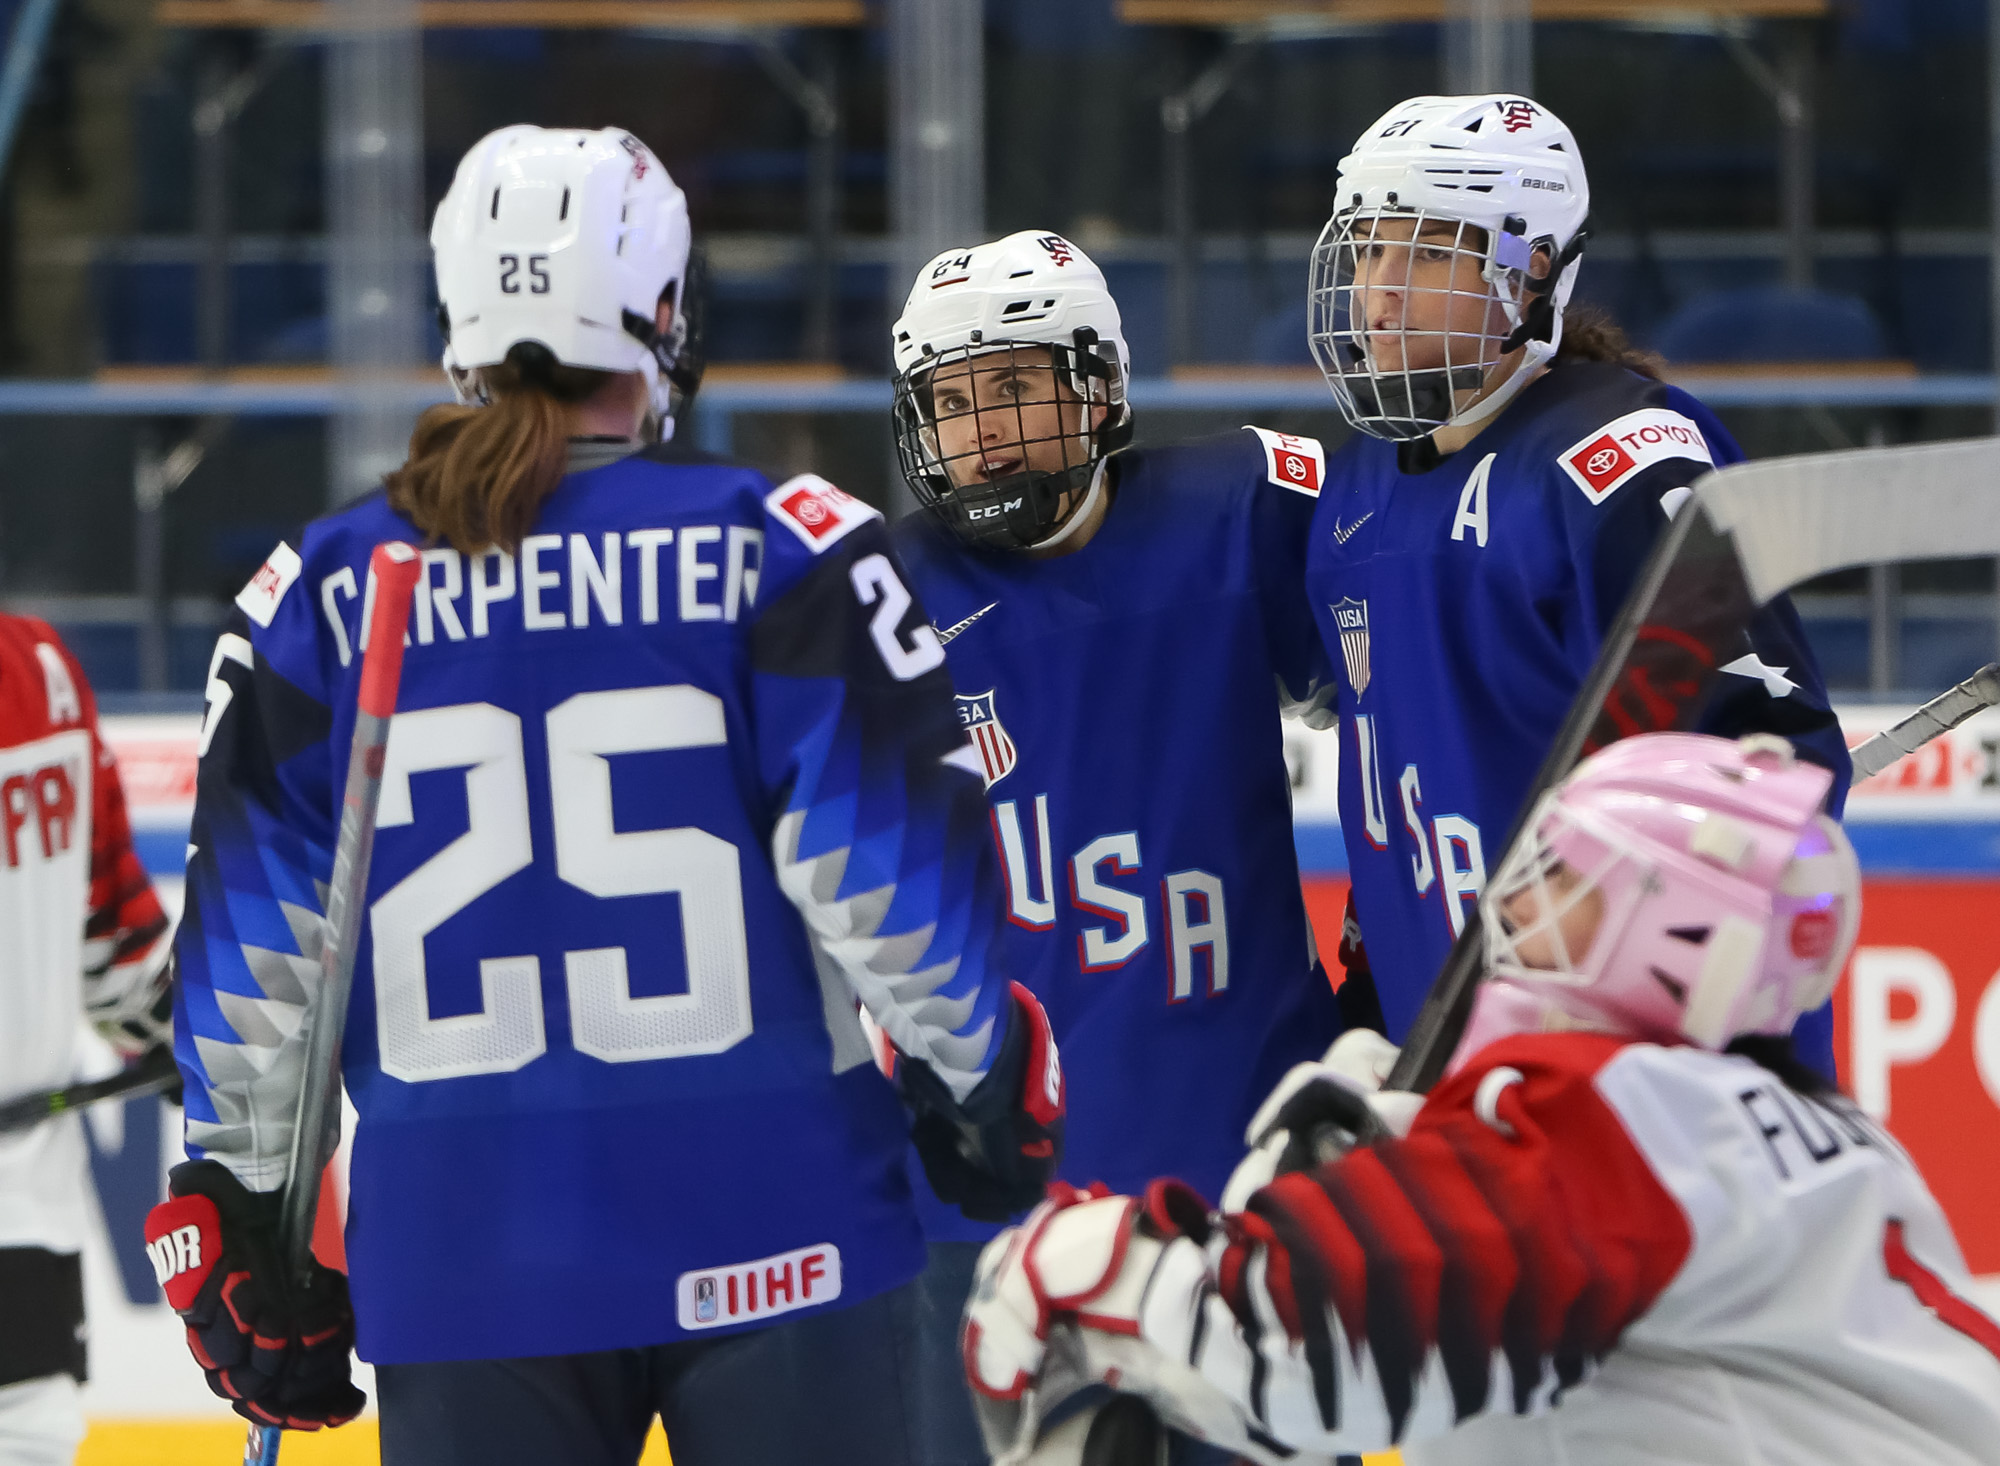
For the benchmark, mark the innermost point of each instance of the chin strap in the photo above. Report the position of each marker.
(1081, 513)
(1537, 356)
(1540, 332)
(1538, 322)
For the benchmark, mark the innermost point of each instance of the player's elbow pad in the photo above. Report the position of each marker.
(993, 1154)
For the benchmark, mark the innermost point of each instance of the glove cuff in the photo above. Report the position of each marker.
(1026, 1075)
(240, 1207)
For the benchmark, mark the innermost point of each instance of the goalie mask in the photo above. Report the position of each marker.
(1011, 371)
(1454, 241)
(567, 240)
(1677, 888)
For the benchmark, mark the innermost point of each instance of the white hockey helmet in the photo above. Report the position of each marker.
(569, 239)
(1505, 173)
(1030, 290)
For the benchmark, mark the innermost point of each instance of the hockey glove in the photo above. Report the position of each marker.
(1096, 1293)
(1320, 1111)
(994, 1154)
(278, 1353)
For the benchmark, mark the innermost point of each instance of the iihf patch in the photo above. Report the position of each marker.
(259, 599)
(749, 1292)
(816, 511)
(1350, 619)
(1614, 453)
(1291, 461)
(997, 754)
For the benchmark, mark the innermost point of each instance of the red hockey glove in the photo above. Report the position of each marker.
(276, 1352)
(994, 1155)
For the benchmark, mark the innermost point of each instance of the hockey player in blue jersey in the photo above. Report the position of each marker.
(676, 779)
(1124, 627)
(1479, 534)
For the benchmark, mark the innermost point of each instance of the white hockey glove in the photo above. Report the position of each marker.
(1320, 1111)
(1095, 1294)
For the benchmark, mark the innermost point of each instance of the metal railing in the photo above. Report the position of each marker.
(722, 401)
(725, 401)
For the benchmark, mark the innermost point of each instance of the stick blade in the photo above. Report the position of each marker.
(1751, 532)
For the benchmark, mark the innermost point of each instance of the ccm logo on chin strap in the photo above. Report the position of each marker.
(748, 1292)
(1631, 444)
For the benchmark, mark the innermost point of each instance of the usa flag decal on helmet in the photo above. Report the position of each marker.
(997, 754)
(1350, 617)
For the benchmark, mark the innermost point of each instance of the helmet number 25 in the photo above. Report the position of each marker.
(510, 274)
(607, 1020)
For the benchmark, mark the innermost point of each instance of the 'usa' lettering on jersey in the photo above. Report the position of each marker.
(1124, 701)
(1468, 597)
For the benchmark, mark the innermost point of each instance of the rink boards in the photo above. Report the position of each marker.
(1917, 1017)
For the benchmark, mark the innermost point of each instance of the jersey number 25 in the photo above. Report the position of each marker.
(607, 1021)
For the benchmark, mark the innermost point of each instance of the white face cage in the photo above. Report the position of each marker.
(1410, 312)
(1558, 888)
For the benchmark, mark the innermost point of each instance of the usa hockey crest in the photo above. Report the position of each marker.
(997, 754)
(1350, 618)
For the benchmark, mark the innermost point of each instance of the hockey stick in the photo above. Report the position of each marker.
(393, 568)
(1940, 715)
(1751, 532)
(154, 1072)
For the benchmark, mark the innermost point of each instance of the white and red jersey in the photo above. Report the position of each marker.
(82, 936)
(1604, 1253)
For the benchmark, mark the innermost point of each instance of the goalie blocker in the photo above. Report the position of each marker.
(1627, 1228)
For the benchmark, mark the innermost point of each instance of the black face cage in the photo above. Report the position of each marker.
(950, 441)
(1401, 381)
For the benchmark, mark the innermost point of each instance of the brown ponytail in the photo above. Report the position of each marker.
(1589, 334)
(477, 475)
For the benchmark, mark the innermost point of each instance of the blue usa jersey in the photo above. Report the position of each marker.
(1125, 702)
(1466, 600)
(667, 791)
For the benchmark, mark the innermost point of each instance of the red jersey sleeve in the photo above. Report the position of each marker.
(126, 987)
(1518, 1224)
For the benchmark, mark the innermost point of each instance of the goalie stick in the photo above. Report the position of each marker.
(1938, 716)
(1751, 532)
(393, 569)
(154, 1072)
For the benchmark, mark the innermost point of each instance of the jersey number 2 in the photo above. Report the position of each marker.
(606, 1020)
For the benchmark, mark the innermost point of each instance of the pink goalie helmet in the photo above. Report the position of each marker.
(1676, 887)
